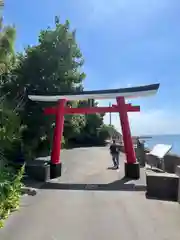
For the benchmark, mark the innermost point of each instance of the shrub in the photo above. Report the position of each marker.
(10, 191)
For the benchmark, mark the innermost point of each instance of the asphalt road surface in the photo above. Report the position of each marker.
(90, 202)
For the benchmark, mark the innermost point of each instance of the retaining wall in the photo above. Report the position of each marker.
(171, 161)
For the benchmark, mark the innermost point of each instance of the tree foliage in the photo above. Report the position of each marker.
(10, 182)
(7, 54)
(51, 67)
(9, 120)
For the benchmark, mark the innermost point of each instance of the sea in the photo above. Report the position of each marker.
(173, 140)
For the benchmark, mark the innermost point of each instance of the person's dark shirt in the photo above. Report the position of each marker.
(114, 148)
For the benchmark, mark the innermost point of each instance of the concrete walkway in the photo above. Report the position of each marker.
(91, 202)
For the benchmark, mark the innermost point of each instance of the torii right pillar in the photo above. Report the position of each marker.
(132, 169)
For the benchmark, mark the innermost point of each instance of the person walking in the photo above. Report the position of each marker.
(115, 151)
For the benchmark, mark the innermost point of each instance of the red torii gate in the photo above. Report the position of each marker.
(131, 166)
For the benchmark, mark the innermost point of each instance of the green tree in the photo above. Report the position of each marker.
(7, 40)
(9, 120)
(50, 67)
(10, 183)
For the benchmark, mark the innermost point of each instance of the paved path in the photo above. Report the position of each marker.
(75, 207)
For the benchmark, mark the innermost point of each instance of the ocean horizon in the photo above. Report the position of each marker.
(170, 139)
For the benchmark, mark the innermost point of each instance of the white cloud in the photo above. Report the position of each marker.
(155, 121)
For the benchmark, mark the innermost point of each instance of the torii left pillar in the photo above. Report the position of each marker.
(55, 170)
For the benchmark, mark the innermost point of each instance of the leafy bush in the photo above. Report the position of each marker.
(10, 191)
(10, 181)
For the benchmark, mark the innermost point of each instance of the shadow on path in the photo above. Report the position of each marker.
(31, 183)
(119, 185)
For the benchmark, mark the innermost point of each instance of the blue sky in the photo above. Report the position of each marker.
(124, 43)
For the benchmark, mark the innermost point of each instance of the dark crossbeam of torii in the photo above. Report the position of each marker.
(131, 166)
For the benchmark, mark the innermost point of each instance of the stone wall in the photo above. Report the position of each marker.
(171, 161)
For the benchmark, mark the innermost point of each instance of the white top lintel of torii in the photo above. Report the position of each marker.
(130, 92)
